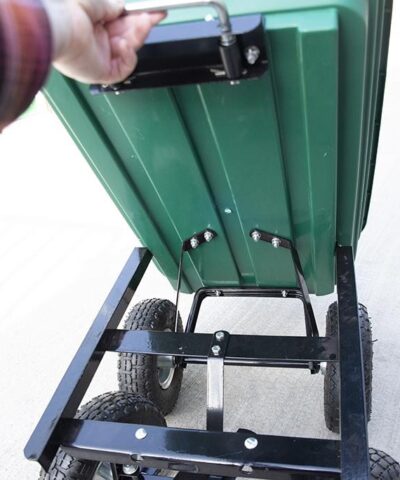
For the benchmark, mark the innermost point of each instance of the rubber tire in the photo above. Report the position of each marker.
(139, 373)
(332, 378)
(383, 466)
(112, 407)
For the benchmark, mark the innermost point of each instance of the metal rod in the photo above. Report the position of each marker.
(202, 293)
(311, 324)
(156, 5)
(282, 242)
(178, 288)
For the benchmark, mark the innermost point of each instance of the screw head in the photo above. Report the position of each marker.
(140, 433)
(234, 82)
(130, 469)
(247, 468)
(228, 211)
(208, 236)
(284, 293)
(194, 243)
(252, 53)
(216, 349)
(250, 443)
(256, 235)
(220, 336)
(275, 242)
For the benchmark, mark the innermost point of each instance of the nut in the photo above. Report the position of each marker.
(275, 242)
(194, 243)
(208, 236)
(215, 350)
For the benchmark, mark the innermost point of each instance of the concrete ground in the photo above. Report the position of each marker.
(62, 244)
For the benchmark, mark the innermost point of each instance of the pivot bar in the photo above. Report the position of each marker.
(214, 453)
(241, 348)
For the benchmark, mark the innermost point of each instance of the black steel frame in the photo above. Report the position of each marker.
(214, 453)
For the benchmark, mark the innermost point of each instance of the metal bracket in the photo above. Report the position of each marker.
(205, 236)
(280, 242)
(194, 53)
(215, 381)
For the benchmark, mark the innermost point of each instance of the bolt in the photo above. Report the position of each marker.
(216, 349)
(219, 336)
(228, 211)
(130, 469)
(208, 236)
(250, 443)
(247, 468)
(117, 93)
(256, 235)
(275, 242)
(218, 293)
(194, 243)
(140, 433)
(284, 293)
(322, 367)
(252, 53)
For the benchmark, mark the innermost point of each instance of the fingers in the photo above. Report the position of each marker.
(104, 42)
(135, 27)
(123, 60)
(103, 10)
(144, 22)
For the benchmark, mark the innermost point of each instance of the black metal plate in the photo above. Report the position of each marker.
(188, 53)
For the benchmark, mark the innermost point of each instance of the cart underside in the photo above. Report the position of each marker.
(196, 454)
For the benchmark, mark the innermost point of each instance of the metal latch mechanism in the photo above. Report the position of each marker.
(227, 49)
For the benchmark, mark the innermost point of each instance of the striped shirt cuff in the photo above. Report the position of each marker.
(25, 55)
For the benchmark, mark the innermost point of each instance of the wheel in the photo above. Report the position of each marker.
(383, 466)
(112, 407)
(156, 378)
(332, 380)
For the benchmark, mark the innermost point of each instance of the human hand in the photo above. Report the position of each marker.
(93, 43)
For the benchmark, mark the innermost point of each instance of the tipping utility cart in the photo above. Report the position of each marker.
(241, 151)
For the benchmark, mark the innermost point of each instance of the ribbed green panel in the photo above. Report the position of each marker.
(291, 153)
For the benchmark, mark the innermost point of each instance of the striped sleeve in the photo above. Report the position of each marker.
(25, 55)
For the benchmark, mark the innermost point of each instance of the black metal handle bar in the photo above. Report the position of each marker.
(227, 38)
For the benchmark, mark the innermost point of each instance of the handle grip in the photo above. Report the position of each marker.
(227, 38)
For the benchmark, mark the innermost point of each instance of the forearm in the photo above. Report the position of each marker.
(88, 40)
(25, 55)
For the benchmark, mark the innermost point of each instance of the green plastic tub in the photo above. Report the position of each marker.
(292, 153)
